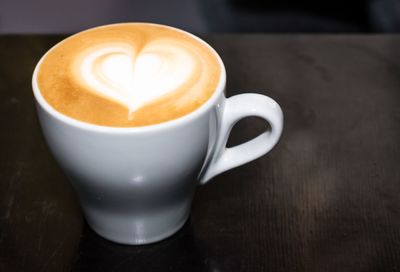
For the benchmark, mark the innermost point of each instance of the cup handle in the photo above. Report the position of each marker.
(236, 108)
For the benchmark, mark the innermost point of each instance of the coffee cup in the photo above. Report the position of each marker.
(136, 183)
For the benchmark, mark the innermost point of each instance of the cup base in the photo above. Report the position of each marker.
(138, 230)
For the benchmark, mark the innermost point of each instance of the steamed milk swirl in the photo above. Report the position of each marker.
(128, 75)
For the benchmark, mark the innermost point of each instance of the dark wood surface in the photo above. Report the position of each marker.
(327, 198)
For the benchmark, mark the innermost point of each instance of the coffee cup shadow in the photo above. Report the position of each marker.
(179, 252)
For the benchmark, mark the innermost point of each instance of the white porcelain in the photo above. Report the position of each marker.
(136, 185)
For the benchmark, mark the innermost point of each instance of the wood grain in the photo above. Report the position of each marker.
(325, 199)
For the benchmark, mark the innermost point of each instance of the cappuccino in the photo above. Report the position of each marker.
(129, 74)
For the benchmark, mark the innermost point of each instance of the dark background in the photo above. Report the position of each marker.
(204, 16)
(326, 198)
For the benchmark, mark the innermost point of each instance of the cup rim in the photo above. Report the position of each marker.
(139, 129)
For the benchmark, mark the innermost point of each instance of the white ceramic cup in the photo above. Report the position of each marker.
(136, 185)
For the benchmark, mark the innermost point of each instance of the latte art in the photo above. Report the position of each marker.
(128, 75)
(135, 79)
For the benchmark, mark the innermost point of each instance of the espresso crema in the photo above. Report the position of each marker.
(127, 75)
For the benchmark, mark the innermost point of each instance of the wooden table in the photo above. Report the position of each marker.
(327, 198)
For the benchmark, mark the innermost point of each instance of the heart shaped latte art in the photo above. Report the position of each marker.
(134, 79)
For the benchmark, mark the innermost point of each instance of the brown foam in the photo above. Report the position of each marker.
(63, 89)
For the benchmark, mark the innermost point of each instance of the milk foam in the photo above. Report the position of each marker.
(134, 79)
(127, 75)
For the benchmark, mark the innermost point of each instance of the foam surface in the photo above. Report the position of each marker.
(151, 73)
